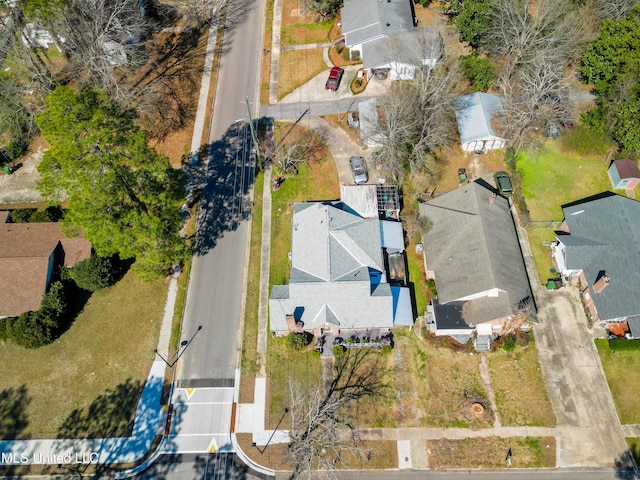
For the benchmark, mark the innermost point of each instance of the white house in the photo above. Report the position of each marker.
(477, 115)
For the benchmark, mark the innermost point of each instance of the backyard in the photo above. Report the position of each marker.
(551, 178)
(103, 359)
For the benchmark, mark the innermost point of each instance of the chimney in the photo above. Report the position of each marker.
(492, 198)
(601, 283)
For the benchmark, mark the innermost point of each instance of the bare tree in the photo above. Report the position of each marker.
(203, 11)
(101, 37)
(321, 417)
(417, 117)
(291, 150)
(537, 94)
(519, 30)
(611, 9)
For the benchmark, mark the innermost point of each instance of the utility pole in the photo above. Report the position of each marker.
(254, 136)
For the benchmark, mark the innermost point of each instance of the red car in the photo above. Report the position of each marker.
(333, 82)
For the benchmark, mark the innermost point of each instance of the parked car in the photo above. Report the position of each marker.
(333, 82)
(359, 170)
(503, 183)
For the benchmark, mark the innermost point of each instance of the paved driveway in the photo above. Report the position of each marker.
(314, 90)
(590, 431)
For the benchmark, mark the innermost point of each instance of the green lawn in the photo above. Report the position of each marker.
(521, 396)
(316, 181)
(88, 381)
(305, 33)
(250, 332)
(551, 178)
(417, 277)
(540, 238)
(622, 369)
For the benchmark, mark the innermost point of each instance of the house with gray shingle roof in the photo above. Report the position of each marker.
(367, 20)
(479, 118)
(472, 252)
(601, 246)
(403, 53)
(384, 33)
(340, 281)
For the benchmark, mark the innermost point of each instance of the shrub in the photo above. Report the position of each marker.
(338, 350)
(93, 273)
(386, 349)
(479, 71)
(16, 149)
(355, 56)
(22, 215)
(298, 340)
(585, 140)
(509, 343)
(35, 329)
(345, 54)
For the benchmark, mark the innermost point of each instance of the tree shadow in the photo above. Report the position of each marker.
(13, 422)
(110, 413)
(13, 415)
(221, 465)
(626, 466)
(131, 408)
(225, 176)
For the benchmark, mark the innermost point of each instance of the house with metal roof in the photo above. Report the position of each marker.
(29, 255)
(341, 280)
(601, 246)
(479, 118)
(472, 252)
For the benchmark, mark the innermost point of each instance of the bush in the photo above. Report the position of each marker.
(585, 140)
(479, 71)
(386, 349)
(22, 215)
(509, 343)
(31, 215)
(345, 54)
(16, 149)
(92, 274)
(298, 340)
(338, 350)
(355, 56)
(35, 329)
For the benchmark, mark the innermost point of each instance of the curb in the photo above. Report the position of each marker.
(248, 461)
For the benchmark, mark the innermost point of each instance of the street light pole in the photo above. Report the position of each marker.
(181, 348)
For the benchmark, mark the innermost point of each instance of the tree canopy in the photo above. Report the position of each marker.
(612, 64)
(124, 196)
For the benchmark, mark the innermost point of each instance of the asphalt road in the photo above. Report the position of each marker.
(204, 392)
(198, 467)
(216, 284)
